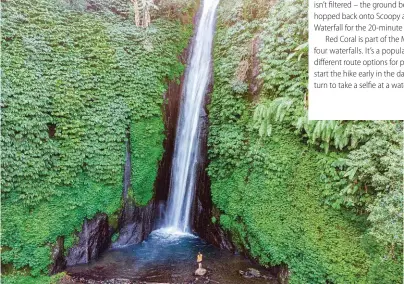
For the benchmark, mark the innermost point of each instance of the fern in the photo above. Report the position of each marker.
(272, 112)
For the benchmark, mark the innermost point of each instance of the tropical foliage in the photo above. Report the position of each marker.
(373, 166)
(82, 78)
(293, 191)
(78, 79)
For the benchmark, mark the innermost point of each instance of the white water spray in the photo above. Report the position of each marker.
(186, 152)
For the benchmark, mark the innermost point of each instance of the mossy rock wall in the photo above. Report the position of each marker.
(74, 81)
(270, 190)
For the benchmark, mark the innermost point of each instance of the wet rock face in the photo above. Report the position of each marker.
(283, 275)
(171, 112)
(203, 207)
(58, 258)
(255, 85)
(203, 225)
(135, 223)
(94, 238)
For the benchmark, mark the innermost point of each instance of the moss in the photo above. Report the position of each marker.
(70, 99)
(279, 216)
(86, 87)
(24, 279)
(115, 237)
(113, 220)
(270, 191)
(147, 150)
(29, 232)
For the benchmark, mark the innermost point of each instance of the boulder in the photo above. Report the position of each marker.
(94, 239)
(135, 223)
(254, 272)
(200, 272)
(250, 273)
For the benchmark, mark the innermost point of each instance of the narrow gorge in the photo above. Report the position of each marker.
(168, 253)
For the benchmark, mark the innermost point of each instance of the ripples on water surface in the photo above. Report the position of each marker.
(167, 256)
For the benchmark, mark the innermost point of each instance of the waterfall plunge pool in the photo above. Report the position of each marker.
(167, 256)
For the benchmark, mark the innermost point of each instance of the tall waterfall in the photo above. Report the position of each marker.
(186, 152)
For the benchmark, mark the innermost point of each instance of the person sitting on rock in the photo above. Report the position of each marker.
(199, 260)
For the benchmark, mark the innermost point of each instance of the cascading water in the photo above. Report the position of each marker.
(186, 150)
(168, 254)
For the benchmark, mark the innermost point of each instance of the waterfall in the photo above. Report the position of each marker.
(127, 172)
(186, 151)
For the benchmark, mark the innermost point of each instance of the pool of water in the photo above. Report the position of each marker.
(169, 257)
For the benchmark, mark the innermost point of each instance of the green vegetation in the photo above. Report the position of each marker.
(373, 168)
(285, 221)
(325, 198)
(21, 279)
(147, 148)
(80, 77)
(75, 79)
(28, 232)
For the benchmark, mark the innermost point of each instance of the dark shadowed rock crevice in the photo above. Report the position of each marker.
(94, 239)
(58, 258)
(135, 223)
(172, 99)
(203, 208)
(170, 110)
